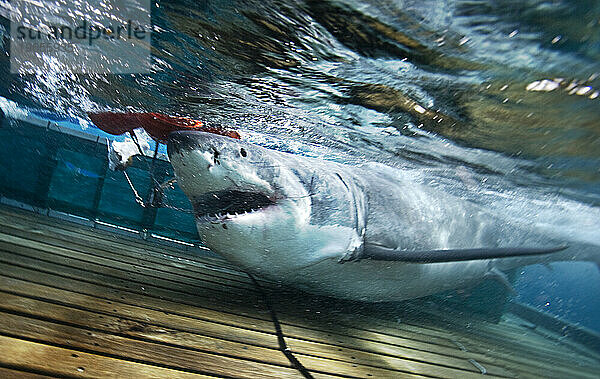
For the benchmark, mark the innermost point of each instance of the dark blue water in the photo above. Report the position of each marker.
(495, 101)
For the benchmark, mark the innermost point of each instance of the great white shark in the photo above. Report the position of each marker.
(366, 232)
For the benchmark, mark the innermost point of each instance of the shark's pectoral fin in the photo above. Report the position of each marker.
(381, 253)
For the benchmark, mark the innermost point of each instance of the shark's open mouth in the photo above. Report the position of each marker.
(219, 205)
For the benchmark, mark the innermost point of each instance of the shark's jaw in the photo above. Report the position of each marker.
(226, 205)
(221, 181)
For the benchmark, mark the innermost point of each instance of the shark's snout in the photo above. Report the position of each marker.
(217, 146)
(183, 140)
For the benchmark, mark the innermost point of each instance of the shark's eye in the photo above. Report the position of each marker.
(243, 152)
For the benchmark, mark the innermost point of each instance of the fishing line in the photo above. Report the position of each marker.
(280, 338)
(161, 204)
(159, 189)
(141, 151)
(138, 198)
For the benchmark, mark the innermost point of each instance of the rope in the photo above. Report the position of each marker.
(280, 338)
(158, 189)
(149, 165)
(138, 198)
(152, 204)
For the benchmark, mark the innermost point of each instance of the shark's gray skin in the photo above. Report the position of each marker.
(364, 233)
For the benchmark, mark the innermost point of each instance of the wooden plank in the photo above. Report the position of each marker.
(13, 217)
(514, 355)
(36, 223)
(579, 348)
(522, 340)
(326, 326)
(130, 319)
(34, 356)
(120, 281)
(468, 365)
(584, 340)
(104, 333)
(447, 342)
(39, 231)
(549, 344)
(105, 342)
(295, 311)
(13, 276)
(303, 333)
(379, 324)
(110, 344)
(424, 363)
(101, 318)
(403, 321)
(514, 352)
(10, 216)
(503, 331)
(514, 359)
(367, 342)
(297, 332)
(174, 357)
(114, 307)
(472, 337)
(524, 369)
(109, 266)
(406, 329)
(459, 323)
(523, 360)
(8, 373)
(139, 258)
(375, 324)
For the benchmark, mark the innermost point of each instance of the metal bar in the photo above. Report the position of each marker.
(99, 187)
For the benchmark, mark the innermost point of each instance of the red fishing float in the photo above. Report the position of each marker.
(157, 125)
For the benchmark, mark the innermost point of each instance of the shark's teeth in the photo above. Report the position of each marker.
(223, 216)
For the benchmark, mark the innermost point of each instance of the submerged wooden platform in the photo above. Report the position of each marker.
(76, 301)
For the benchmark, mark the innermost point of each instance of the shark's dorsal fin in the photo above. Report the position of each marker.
(381, 253)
